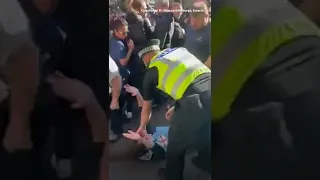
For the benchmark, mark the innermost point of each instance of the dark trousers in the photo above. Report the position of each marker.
(51, 113)
(190, 126)
(25, 164)
(116, 116)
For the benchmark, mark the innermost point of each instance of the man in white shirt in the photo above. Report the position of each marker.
(18, 78)
(114, 80)
(115, 90)
(18, 74)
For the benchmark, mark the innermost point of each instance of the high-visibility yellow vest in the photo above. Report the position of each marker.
(244, 34)
(177, 69)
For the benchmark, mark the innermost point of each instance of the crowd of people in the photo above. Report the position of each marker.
(130, 33)
(161, 55)
(54, 105)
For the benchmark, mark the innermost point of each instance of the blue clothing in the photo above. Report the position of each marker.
(160, 138)
(118, 50)
(199, 42)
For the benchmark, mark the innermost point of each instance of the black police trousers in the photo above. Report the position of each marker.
(190, 127)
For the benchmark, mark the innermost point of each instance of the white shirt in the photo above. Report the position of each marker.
(113, 71)
(13, 24)
(14, 31)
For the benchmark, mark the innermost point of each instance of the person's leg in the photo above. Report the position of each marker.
(203, 145)
(116, 118)
(42, 148)
(13, 165)
(128, 106)
(64, 142)
(183, 130)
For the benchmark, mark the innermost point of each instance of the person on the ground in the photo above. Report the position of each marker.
(198, 34)
(19, 76)
(121, 48)
(182, 76)
(266, 89)
(154, 145)
(115, 86)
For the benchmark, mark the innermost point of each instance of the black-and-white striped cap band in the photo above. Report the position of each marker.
(148, 49)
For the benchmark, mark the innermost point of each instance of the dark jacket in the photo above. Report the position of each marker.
(274, 128)
(140, 29)
(164, 29)
(47, 34)
(86, 55)
(177, 39)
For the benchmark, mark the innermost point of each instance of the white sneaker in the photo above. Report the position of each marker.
(129, 115)
(64, 168)
(112, 136)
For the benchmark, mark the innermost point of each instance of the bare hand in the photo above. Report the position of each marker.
(147, 140)
(72, 90)
(132, 136)
(130, 44)
(142, 131)
(114, 105)
(169, 113)
(131, 89)
(17, 137)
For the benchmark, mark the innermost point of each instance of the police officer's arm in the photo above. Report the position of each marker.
(150, 83)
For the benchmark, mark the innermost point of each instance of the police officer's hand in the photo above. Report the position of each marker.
(130, 44)
(76, 92)
(169, 113)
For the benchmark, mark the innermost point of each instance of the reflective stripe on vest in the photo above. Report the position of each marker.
(176, 71)
(247, 43)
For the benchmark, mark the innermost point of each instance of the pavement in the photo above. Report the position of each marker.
(133, 169)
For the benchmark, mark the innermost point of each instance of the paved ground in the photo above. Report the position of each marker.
(123, 170)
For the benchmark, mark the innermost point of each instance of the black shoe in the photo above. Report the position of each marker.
(162, 174)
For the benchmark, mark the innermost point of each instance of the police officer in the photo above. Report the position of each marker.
(265, 88)
(182, 76)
